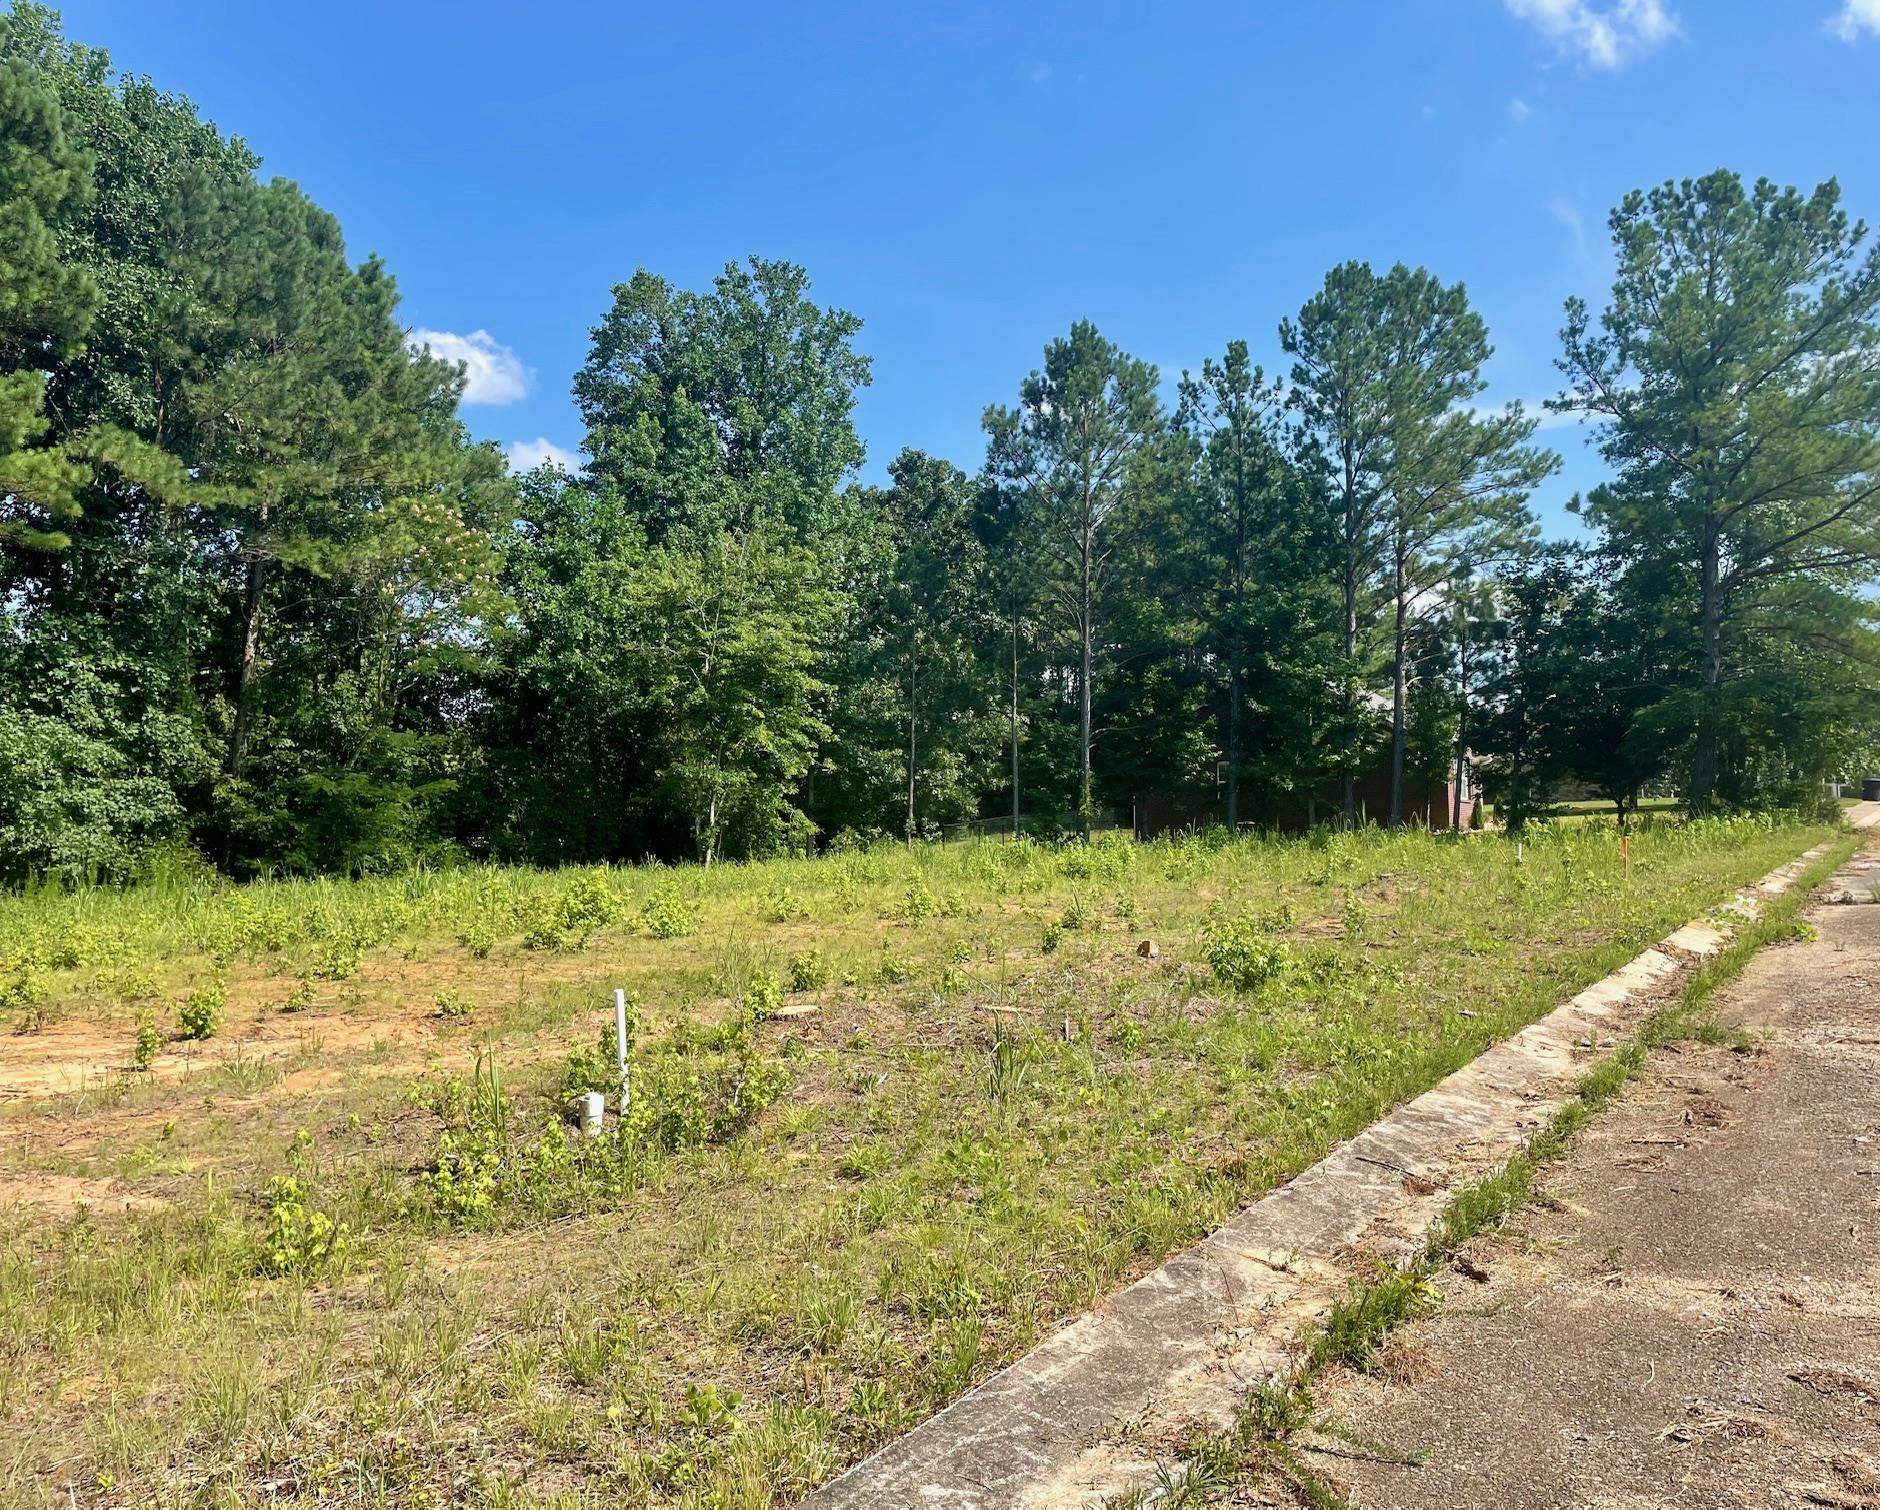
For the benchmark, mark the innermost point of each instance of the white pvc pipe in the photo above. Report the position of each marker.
(590, 1107)
(620, 1048)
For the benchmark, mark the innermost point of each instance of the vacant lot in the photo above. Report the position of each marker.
(343, 1246)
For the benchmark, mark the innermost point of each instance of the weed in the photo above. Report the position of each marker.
(667, 916)
(200, 1015)
(338, 959)
(1370, 1310)
(478, 936)
(919, 903)
(1241, 956)
(300, 1239)
(1005, 1070)
(145, 1045)
(881, 1233)
(784, 906)
(864, 1158)
(1353, 915)
(542, 923)
(809, 971)
(763, 995)
(709, 1409)
(588, 903)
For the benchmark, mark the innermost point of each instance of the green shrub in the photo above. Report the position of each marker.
(452, 1003)
(200, 1015)
(542, 926)
(809, 971)
(479, 936)
(1353, 916)
(708, 1409)
(145, 1045)
(763, 994)
(784, 906)
(338, 959)
(588, 903)
(667, 915)
(300, 1239)
(1241, 956)
(23, 987)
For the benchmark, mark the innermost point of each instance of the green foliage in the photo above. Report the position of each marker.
(763, 994)
(146, 1043)
(261, 595)
(301, 1239)
(453, 1003)
(542, 922)
(690, 1091)
(283, 523)
(668, 916)
(1075, 454)
(1735, 379)
(339, 957)
(1369, 1311)
(809, 971)
(479, 936)
(1242, 955)
(200, 1015)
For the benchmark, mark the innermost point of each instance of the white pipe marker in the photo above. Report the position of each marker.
(620, 1049)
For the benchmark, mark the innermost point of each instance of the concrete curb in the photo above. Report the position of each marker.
(1096, 1409)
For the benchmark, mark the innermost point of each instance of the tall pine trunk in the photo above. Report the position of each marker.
(1703, 797)
(1398, 682)
(1235, 654)
(253, 600)
(1015, 721)
(1351, 636)
(1462, 734)
(1086, 657)
(913, 751)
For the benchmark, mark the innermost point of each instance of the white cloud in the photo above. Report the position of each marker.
(1568, 214)
(493, 373)
(1856, 19)
(1607, 36)
(527, 455)
(1519, 110)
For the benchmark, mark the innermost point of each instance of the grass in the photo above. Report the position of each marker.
(366, 1258)
(1265, 1431)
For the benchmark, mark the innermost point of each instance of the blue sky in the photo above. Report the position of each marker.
(972, 178)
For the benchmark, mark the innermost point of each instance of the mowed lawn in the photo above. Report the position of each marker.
(346, 1248)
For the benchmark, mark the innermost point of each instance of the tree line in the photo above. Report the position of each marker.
(263, 598)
